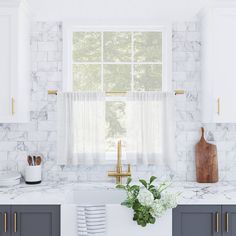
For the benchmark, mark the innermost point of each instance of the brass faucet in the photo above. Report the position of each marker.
(118, 173)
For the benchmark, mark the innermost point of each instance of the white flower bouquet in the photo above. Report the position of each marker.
(148, 201)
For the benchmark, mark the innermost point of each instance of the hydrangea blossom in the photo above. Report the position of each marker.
(145, 197)
(157, 209)
(169, 200)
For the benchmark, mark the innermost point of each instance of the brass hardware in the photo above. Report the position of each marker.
(227, 222)
(118, 174)
(5, 222)
(179, 91)
(12, 106)
(15, 222)
(122, 93)
(52, 92)
(217, 222)
(118, 93)
(218, 106)
(123, 174)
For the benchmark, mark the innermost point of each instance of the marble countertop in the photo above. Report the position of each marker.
(60, 193)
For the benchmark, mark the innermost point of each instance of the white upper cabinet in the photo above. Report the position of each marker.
(14, 62)
(218, 27)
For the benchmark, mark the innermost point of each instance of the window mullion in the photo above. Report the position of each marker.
(102, 55)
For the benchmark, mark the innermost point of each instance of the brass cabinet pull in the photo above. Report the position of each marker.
(218, 106)
(5, 222)
(15, 223)
(12, 106)
(217, 222)
(227, 222)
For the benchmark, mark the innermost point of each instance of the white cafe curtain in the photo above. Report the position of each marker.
(81, 128)
(151, 128)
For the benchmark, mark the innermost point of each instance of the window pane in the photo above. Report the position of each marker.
(147, 77)
(115, 124)
(117, 46)
(86, 77)
(87, 47)
(147, 46)
(117, 78)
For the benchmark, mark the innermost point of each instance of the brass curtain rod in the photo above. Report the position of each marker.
(177, 92)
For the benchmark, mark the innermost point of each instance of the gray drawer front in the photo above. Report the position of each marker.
(196, 220)
(40, 220)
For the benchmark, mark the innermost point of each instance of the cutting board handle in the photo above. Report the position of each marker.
(202, 130)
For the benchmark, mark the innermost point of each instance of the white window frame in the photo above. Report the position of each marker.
(165, 29)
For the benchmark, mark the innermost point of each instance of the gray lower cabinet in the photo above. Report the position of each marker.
(196, 220)
(204, 220)
(229, 220)
(30, 220)
(5, 221)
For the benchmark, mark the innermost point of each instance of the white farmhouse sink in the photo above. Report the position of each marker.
(119, 218)
(98, 196)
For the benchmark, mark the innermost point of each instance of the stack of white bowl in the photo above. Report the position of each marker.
(9, 178)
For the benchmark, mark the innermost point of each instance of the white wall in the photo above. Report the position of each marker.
(119, 11)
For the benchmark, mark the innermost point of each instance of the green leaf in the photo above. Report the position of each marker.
(163, 187)
(152, 179)
(143, 223)
(151, 187)
(143, 182)
(120, 186)
(127, 203)
(134, 187)
(152, 220)
(128, 180)
(156, 193)
(135, 217)
(136, 205)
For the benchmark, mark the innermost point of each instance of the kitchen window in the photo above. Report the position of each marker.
(116, 61)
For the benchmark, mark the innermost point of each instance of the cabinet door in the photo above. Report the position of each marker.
(31, 220)
(228, 220)
(7, 62)
(5, 220)
(224, 83)
(196, 220)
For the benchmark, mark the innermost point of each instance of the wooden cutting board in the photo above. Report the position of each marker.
(206, 161)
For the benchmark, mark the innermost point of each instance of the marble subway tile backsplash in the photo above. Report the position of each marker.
(39, 135)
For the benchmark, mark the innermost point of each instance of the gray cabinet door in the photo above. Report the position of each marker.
(35, 220)
(5, 225)
(228, 220)
(198, 220)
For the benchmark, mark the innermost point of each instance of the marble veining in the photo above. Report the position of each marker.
(62, 192)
